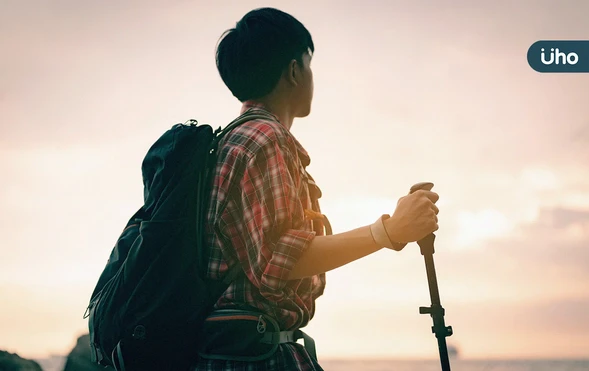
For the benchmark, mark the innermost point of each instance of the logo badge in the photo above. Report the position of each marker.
(559, 56)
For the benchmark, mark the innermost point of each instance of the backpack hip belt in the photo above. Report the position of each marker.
(259, 336)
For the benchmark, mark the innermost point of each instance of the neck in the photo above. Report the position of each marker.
(280, 109)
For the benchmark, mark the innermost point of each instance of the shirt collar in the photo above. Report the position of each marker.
(249, 104)
(303, 155)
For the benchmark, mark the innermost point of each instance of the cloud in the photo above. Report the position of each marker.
(483, 225)
(560, 218)
(547, 258)
(549, 328)
(559, 238)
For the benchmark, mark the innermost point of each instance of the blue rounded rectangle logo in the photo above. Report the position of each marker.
(559, 56)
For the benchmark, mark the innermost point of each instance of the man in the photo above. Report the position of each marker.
(263, 208)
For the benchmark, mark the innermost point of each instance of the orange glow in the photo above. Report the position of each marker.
(404, 93)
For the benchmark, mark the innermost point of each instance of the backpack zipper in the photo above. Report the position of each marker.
(261, 326)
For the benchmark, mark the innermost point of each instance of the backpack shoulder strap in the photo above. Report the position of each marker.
(248, 115)
(232, 274)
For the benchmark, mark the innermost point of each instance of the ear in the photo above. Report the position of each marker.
(292, 72)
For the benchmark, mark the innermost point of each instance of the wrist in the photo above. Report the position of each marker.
(381, 235)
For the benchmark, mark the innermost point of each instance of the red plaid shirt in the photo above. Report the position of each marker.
(257, 218)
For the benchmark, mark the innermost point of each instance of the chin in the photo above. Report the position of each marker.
(304, 112)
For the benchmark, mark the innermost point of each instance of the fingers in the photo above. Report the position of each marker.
(432, 196)
(433, 219)
(421, 211)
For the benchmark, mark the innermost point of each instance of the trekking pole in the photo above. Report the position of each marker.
(440, 330)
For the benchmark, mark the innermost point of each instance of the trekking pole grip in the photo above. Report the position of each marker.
(426, 244)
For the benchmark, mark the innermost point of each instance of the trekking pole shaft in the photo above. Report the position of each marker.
(432, 280)
(437, 312)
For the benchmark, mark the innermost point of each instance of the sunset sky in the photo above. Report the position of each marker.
(405, 91)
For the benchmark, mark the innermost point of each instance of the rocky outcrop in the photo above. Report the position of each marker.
(79, 357)
(13, 362)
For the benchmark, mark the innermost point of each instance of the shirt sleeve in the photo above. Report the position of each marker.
(273, 237)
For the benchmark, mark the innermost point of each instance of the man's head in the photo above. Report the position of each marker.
(268, 54)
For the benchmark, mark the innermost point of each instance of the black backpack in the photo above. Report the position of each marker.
(150, 301)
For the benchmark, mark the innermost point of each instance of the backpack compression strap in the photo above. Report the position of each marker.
(117, 358)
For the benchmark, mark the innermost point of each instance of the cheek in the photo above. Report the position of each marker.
(311, 84)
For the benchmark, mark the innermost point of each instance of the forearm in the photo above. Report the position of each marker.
(325, 253)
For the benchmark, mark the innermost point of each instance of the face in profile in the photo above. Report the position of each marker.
(304, 91)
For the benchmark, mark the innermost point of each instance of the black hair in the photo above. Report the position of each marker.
(252, 56)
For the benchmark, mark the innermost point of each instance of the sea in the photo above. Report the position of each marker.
(57, 363)
(458, 365)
